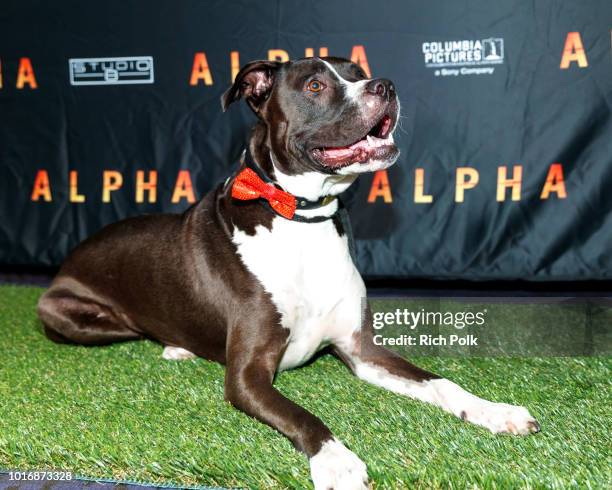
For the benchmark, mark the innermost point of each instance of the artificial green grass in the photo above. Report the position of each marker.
(122, 412)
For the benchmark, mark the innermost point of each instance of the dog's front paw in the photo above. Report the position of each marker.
(501, 417)
(335, 467)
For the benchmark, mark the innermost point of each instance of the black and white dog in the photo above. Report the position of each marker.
(258, 274)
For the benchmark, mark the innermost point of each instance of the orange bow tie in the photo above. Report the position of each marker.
(248, 185)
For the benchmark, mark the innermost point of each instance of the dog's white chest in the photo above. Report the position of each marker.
(308, 271)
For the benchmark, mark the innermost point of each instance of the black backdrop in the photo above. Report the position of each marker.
(486, 87)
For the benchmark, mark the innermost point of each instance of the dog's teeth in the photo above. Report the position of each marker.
(371, 141)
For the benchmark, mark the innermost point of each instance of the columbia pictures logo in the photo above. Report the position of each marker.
(493, 50)
(466, 52)
(111, 71)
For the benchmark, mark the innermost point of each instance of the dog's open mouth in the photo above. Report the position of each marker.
(377, 144)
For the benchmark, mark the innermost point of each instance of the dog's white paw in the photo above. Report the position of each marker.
(177, 353)
(501, 417)
(335, 467)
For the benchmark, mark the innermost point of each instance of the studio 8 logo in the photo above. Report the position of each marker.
(111, 71)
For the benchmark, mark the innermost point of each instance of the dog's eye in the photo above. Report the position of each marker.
(315, 86)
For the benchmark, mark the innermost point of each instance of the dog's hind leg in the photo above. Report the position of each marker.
(68, 318)
(384, 368)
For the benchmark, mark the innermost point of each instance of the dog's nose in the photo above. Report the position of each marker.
(381, 87)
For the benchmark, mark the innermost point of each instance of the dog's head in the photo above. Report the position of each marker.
(320, 114)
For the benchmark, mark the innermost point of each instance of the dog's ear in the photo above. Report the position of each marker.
(254, 82)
